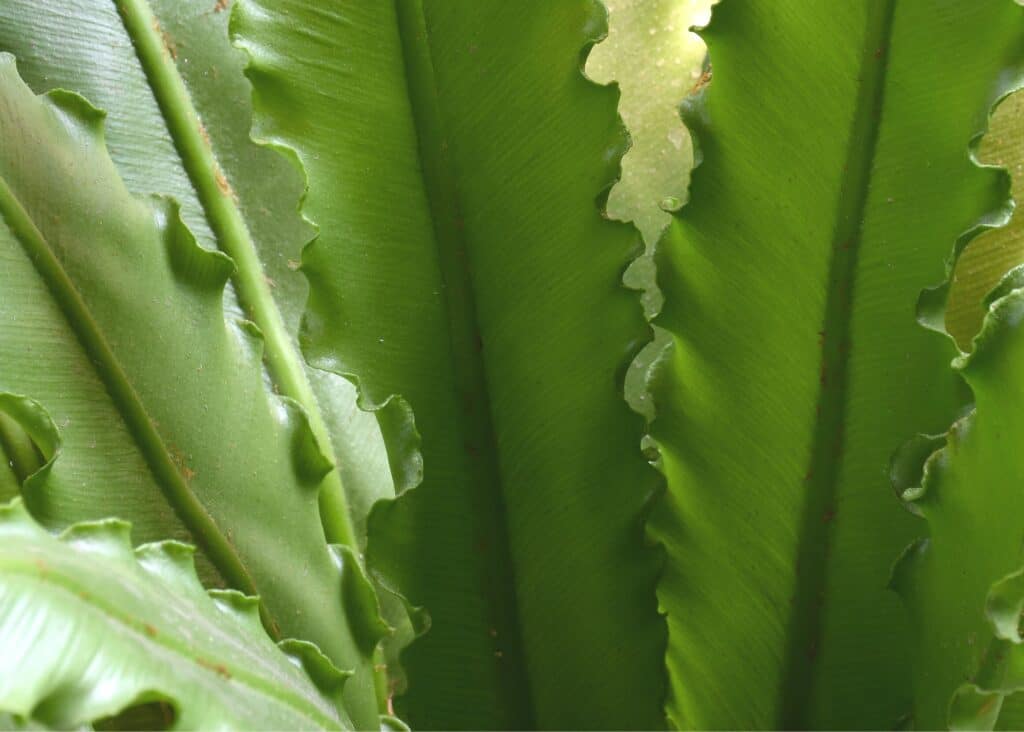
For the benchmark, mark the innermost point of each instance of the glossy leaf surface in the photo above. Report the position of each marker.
(90, 627)
(454, 153)
(835, 181)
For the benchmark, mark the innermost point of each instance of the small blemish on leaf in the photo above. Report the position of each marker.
(169, 46)
(702, 82)
(222, 182)
(218, 668)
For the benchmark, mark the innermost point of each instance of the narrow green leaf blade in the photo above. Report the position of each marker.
(454, 153)
(178, 124)
(835, 181)
(163, 416)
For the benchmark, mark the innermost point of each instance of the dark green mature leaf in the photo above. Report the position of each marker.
(89, 627)
(453, 153)
(835, 178)
(161, 417)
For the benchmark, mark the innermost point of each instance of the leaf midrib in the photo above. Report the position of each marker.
(466, 343)
(233, 237)
(156, 451)
(822, 477)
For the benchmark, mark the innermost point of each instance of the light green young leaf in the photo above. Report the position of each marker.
(836, 178)
(982, 264)
(151, 406)
(655, 60)
(178, 122)
(90, 627)
(179, 116)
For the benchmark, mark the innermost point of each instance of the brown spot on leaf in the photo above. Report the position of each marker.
(169, 45)
(222, 182)
(218, 668)
(702, 82)
(181, 462)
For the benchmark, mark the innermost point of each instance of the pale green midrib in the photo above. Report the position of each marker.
(89, 595)
(805, 629)
(226, 221)
(465, 338)
(176, 489)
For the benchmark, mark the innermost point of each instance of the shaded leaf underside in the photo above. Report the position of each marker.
(453, 153)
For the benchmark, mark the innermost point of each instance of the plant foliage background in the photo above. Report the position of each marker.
(346, 296)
